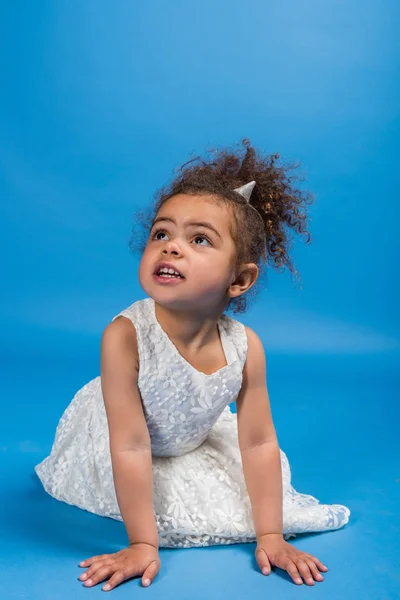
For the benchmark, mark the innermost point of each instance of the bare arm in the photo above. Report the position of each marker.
(258, 442)
(130, 444)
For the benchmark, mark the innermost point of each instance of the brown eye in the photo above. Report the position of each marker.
(156, 232)
(203, 237)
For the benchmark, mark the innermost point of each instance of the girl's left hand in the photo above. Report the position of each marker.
(273, 550)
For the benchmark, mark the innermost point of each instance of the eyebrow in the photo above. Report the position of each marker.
(190, 223)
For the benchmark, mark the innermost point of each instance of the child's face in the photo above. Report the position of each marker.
(204, 257)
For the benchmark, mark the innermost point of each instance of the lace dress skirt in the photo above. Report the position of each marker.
(200, 498)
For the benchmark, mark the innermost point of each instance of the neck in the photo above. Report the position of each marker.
(189, 329)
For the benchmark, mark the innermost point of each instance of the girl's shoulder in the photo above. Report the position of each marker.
(126, 326)
(119, 339)
(139, 313)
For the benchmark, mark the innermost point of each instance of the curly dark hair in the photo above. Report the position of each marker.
(262, 236)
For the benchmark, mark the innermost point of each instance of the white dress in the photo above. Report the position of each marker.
(199, 492)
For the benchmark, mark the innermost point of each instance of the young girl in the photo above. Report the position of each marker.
(152, 441)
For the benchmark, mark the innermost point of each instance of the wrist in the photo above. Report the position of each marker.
(271, 535)
(143, 544)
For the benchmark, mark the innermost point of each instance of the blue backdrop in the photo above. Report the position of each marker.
(102, 100)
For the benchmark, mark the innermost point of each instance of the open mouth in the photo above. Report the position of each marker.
(166, 273)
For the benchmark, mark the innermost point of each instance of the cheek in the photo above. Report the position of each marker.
(212, 274)
(144, 265)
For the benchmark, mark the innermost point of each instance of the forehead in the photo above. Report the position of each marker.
(184, 208)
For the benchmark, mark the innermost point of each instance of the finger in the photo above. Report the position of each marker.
(291, 568)
(319, 564)
(98, 574)
(263, 561)
(314, 570)
(122, 574)
(305, 571)
(89, 561)
(150, 573)
(115, 580)
(87, 574)
(91, 570)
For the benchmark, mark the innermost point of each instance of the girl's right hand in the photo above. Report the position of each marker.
(135, 560)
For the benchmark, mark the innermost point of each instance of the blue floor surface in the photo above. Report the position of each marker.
(337, 419)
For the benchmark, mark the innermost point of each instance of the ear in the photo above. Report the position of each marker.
(245, 278)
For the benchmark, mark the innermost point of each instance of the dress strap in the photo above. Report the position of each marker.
(236, 333)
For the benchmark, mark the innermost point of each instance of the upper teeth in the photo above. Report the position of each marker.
(166, 270)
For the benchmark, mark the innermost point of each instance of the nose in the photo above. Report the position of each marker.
(172, 247)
